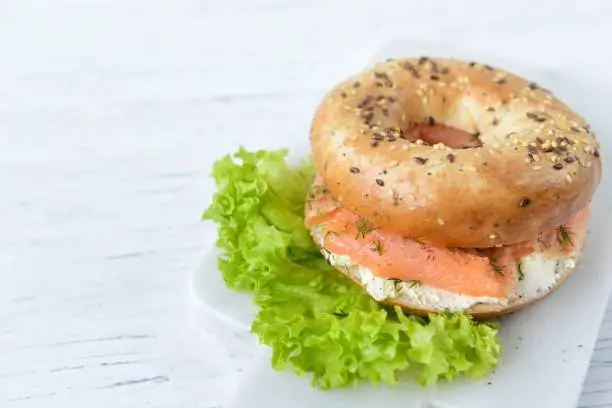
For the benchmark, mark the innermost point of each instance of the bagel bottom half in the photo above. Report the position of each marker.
(542, 272)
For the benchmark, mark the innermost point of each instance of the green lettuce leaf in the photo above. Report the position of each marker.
(315, 320)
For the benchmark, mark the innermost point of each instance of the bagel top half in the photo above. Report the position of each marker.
(535, 165)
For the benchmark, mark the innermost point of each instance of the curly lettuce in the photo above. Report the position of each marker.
(315, 320)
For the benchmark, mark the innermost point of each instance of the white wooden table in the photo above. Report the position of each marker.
(111, 113)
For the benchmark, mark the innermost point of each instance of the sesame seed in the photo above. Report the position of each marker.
(434, 77)
(569, 159)
(419, 141)
(393, 163)
(554, 158)
(535, 117)
(355, 170)
(420, 160)
(525, 201)
(568, 178)
(405, 147)
(450, 157)
(380, 182)
(493, 236)
(440, 221)
(536, 168)
(558, 166)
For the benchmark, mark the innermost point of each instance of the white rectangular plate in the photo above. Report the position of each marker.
(547, 346)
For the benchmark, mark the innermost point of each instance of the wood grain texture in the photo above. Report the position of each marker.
(111, 114)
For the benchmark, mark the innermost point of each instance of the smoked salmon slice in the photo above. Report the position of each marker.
(489, 273)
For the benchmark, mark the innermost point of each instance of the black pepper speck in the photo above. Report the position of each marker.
(524, 202)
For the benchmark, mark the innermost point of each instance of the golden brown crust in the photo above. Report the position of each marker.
(538, 165)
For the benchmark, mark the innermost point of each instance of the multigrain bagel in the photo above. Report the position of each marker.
(532, 163)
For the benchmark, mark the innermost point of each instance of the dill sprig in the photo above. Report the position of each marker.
(416, 283)
(397, 284)
(327, 252)
(497, 269)
(521, 274)
(377, 246)
(564, 236)
(363, 228)
(330, 233)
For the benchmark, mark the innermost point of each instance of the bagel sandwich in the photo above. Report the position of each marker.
(448, 185)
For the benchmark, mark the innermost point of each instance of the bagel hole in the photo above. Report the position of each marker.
(434, 133)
